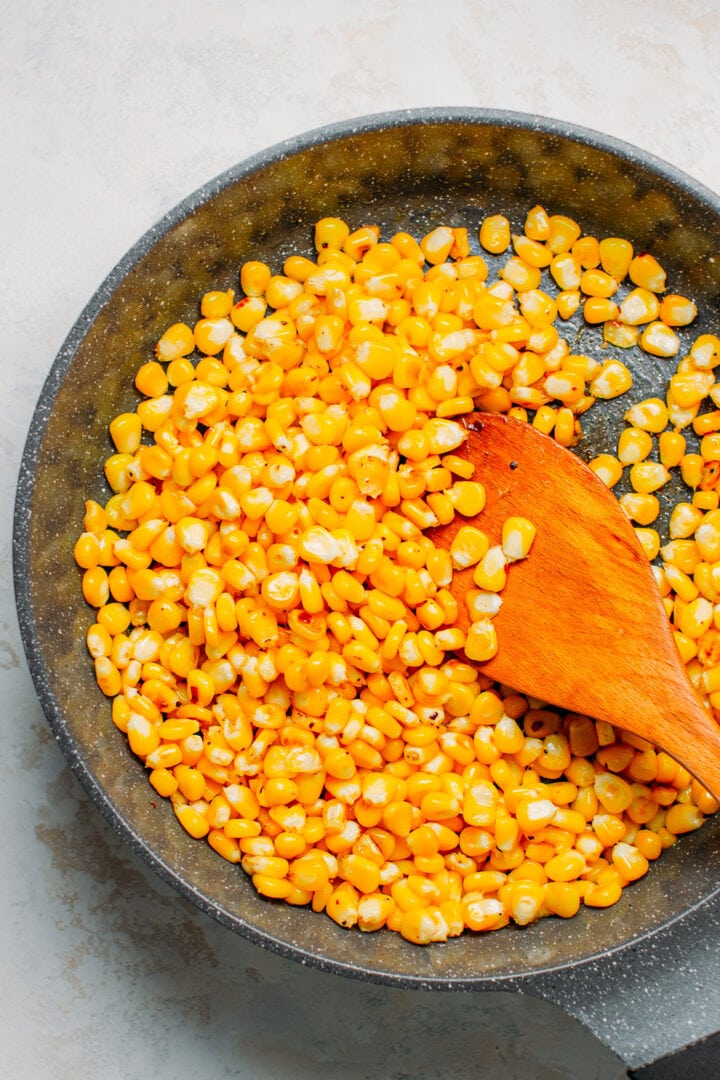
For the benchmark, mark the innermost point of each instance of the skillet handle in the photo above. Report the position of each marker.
(655, 1004)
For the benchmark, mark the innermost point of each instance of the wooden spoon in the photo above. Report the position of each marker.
(582, 625)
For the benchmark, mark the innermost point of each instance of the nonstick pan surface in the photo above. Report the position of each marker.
(410, 170)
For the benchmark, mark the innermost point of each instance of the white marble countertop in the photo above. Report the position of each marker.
(111, 114)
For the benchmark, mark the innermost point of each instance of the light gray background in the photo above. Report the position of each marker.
(110, 114)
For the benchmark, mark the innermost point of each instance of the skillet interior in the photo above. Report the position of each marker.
(412, 171)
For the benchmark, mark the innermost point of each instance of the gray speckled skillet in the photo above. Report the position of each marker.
(402, 170)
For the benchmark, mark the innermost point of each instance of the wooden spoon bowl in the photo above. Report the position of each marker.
(582, 625)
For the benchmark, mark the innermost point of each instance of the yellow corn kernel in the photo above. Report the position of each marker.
(481, 641)
(614, 793)
(531, 251)
(598, 283)
(620, 334)
(599, 309)
(468, 547)
(490, 573)
(646, 272)
(694, 618)
(495, 234)
(648, 476)
(192, 820)
(537, 224)
(615, 256)
(689, 389)
(629, 862)
(568, 302)
(567, 272)
(603, 895)
(565, 866)
(650, 542)
(650, 415)
(671, 445)
(565, 427)
(563, 233)
(612, 380)
(682, 818)
(658, 339)
(607, 468)
(518, 535)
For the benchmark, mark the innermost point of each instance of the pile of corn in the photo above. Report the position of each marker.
(277, 629)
